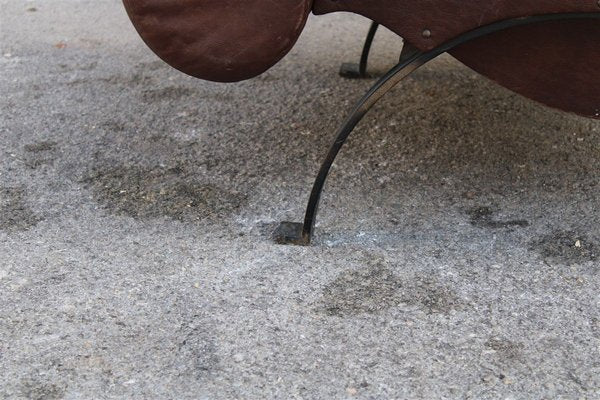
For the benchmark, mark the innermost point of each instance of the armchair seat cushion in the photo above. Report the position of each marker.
(219, 40)
(554, 62)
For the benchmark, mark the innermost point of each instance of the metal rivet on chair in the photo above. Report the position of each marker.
(426, 33)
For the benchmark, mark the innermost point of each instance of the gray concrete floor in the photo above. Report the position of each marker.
(457, 254)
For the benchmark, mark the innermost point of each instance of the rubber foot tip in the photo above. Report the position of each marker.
(291, 233)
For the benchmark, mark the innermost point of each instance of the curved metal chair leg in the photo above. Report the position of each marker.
(301, 233)
(359, 71)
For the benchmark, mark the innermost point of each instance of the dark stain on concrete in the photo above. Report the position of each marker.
(113, 126)
(34, 390)
(505, 348)
(376, 288)
(40, 153)
(431, 296)
(144, 193)
(483, 217)
(40, 147)
(566, 247)
(15, 214)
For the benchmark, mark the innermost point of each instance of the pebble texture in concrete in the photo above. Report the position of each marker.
(457, 252)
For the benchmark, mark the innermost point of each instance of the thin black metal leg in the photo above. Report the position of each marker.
(301, 233)
(359, 71)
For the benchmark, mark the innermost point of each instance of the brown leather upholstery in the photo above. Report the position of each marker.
(556, 63)
(446, 19)
(219, 40)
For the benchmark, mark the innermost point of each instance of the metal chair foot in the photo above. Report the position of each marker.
(291, 233)
(301, 234)
(352, 71)
(410, 60)
(359, 71)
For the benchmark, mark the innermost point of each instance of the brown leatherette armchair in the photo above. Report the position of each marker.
(546, 50)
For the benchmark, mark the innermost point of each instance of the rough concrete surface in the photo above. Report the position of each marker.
(457, 251)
